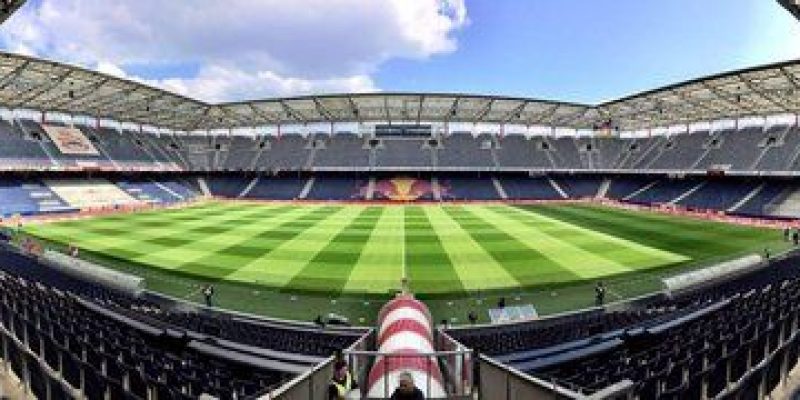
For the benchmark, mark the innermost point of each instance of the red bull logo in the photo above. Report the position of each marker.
(403, 189)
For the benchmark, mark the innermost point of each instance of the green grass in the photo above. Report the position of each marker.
(295, 261)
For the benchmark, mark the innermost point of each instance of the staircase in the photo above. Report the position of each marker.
(248, 188)
(500, 189)
(603, 189)
(203, 186)
(436, 189)
(640, 191)
(746, 198)
(688, 193)
(307, 188)
(557, 188)
(370, 189)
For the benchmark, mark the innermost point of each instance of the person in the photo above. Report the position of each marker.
(472, 317)
(208, 293)
(319, 321)
(796, 237)
(599, 293)
(766, 253)
(786, 232)
(342, 381)
(501, 303)
(406, 390)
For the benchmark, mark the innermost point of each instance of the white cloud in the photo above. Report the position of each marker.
(244, 48)
(217, 83)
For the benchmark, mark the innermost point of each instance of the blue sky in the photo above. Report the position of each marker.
(572, 50)
(595, 50)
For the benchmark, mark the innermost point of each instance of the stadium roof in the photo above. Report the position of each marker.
(8, 7)
(793, 6)
(30, 83)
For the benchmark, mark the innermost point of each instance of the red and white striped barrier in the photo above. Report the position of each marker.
(405, 330)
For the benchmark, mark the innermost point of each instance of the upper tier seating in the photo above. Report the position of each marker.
(343, 150)
(19, 150)
(286, 152)
(462, 150)
(403, 152)
(777, 148)
(242, 152)
(566, 153)
(735, 150)
(680, 151)
(781, 152)
(516, 151)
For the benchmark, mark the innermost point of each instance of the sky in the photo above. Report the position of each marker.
(586, 51)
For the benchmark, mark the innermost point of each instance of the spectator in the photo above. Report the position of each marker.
(342, 381)
(406, 390)
(319, 322)
(796, 237)
(472, 317)
(208, 293)
(599, 293)
(501, 303)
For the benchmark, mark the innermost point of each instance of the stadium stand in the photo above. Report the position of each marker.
(85, 193)
(462, 150)
(149, 191)
(403, 152)
(567, 154)
(580, 187)
(241, 153)
(718, 195)
(469, 188)
(781, 150)
(524, 188)
(665, 191)
(680, 150)
(104, 343)
(768, 194)
(289, 151)
(277, 188)
(29, 197)
(226, 186)
(735, 150)
(344, 149)
(517, 151)
(335, 188)
(737, 345)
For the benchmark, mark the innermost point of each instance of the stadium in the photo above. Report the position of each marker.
(158, 246)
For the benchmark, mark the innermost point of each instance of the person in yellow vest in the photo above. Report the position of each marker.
(342, 382)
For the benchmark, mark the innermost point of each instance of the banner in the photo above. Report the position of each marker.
(70, 140)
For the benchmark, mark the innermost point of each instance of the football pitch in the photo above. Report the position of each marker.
(341, 250)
